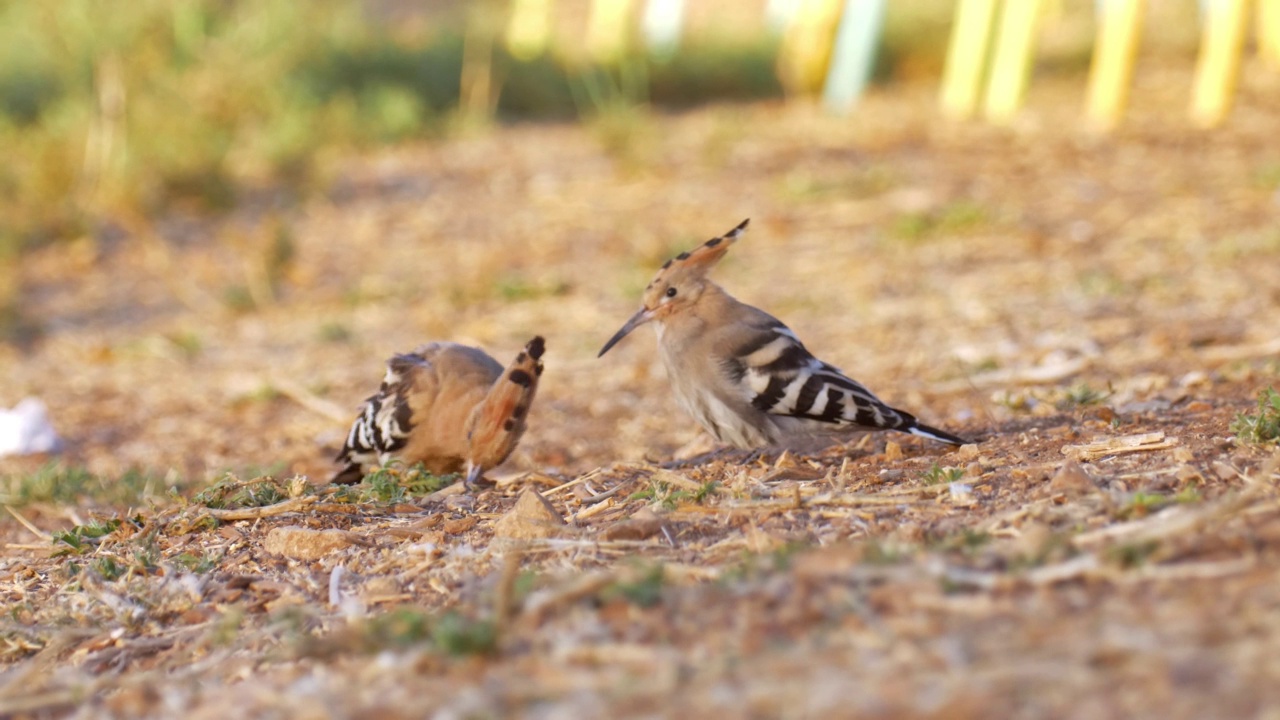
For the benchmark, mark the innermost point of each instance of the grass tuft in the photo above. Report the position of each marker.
(65, 485)
(1263, 426)
(643, 591)
(1082, 395)
(938, 474)
(458, 635)
(394, 484)
(81, 539)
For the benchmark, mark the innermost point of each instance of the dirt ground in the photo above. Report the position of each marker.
(1092, 311)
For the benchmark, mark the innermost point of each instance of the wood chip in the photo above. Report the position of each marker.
(457, 526)
(642, 525)
(1118, 445)
(531, 517)
(302, 543)
(1072, 480)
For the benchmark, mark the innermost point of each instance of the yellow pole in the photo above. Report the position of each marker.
(1011, 65)
(806, 46)
(1114, 51)
(1218, 66)
(1269, 31)
(607, 28)
(529, 30)
(966, 57)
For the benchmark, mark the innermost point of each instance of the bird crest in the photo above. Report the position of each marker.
(697, 262)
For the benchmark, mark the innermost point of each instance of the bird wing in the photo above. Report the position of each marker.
(386, 417)
(779, 376)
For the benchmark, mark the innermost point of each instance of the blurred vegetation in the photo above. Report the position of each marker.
(116, 112)
(113, 113)
(63, 484)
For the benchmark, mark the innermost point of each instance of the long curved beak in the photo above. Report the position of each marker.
(474, 472)
(643, 316)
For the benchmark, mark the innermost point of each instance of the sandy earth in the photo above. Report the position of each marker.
(1055, 295)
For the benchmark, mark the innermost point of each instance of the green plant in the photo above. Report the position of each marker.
(230, 491)
(107, 567)
(51, 483)
(709, 488)
(82, 538)
(644, 591)
(657, 491)
(60, 484)
(673, 498)
(1082, 395)
(397, 628)
(967, 540)
(954, 218)
(1141, 504)
(198, 564)
(394, 484)
(1264, 426)
(334, 332)
(458, 635)
(938, 474)
(1132, 554)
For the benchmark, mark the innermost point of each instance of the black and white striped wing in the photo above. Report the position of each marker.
(781, 377)
(385, 418)
(784, 378)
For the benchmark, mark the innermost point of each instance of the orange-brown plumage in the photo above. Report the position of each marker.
(448, 406)
(743, 374)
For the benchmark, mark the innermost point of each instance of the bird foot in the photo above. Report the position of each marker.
(726, 454)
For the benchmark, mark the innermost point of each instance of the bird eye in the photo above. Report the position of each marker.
(671, 292)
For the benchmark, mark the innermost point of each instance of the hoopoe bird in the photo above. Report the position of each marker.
(447, 406)
(743, 374)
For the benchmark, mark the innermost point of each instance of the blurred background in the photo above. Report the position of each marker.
(217, 217)
(112, 115)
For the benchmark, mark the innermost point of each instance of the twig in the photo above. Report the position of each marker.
(28, 524)
(48, 701)
(254, 513)
(601, 497)
(1197, 570)
(1036, 375)
(824, 499)
(593, 510)
(1241, 352)
(310, 400)
(574, 482)
(504, 597)
(1172, 521)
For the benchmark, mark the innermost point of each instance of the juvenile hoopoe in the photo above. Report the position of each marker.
(447, 406)
(741, 373)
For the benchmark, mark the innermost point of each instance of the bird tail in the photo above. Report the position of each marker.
(933, 433)
(909, 424)
(497, 423)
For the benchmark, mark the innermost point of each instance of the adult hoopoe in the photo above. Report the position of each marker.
(447, 406)
(741, 373)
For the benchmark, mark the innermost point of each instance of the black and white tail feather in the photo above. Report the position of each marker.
(780, 377)
(384, 423)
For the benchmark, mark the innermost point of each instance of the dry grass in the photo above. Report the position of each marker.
(1055, 296)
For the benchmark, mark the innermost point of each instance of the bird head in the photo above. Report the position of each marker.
(678, 283)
